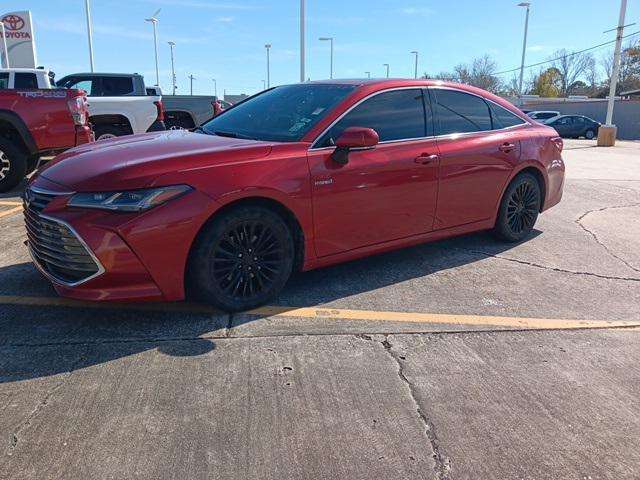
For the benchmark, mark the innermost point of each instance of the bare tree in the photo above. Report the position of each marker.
(483, 71)
(571, 66)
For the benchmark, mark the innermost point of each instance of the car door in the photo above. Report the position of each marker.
(381, 194)
(477, 155)
(564, 126)
(578, 127)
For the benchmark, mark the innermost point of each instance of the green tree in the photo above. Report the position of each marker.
(547, 83)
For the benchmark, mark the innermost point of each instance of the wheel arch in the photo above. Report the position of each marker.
(538, 172)
(112, 119)
(14, 128)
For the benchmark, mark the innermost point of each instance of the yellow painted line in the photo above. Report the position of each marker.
(11, 211)
(335, 314)
(9, 203)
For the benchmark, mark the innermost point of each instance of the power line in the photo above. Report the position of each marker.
(568, 55)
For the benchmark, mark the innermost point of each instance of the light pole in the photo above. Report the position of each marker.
(264, 85)
(386, 65)
(192, 78)
(524, 48)
(173, 70)
(6, 52)
(89, 34)
(302, 20)
(415, 72)
(215, 88)
(607, 133)
(329, 39)
(154, 21)
(268, 47)
(368, 74)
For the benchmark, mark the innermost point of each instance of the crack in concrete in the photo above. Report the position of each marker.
(547, 267)
(227, 330)
(43, 403)
(595, 237)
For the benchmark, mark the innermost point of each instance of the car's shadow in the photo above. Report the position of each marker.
(41, 340)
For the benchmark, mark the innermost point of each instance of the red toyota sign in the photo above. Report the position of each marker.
(13, 22)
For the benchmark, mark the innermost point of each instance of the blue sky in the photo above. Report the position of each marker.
(225, 39)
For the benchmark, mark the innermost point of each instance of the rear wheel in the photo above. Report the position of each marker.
(241, 259)
(519, 209)
(105, 132)
(13, 165)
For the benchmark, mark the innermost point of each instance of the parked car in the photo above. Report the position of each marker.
(26, 78)
(187, 111)
(115, 106)
(542, 115)
(574, 126)
(295, 178)
(37, 122)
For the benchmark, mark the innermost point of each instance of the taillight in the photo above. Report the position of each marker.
(557, 141)
(160, 108)
(78, 109)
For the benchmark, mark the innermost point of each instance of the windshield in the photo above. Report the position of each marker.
(282, 114)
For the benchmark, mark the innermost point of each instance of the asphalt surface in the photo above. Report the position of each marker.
(461, 359)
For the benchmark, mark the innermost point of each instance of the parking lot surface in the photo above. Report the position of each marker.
(460, 359)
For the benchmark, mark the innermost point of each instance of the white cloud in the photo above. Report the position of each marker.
(225, 19)
(417, 11)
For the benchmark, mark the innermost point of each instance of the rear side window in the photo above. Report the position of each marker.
(116, 86)
(503, 118)
(25, 80)
(4, 80)
(460, 112)
(395, 115)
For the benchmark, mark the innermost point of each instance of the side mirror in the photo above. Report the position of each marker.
(354, 138)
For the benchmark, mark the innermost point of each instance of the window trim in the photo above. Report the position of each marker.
(426, 93)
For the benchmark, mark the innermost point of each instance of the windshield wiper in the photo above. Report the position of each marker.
(220, 133)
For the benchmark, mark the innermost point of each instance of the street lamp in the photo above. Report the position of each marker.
(6, 52)
(173, 70)
(415, 72)
(192, 78)
(368, 74)
(215, 88)
(154, 21)
(329, 39)
(268, 47)
(386, 65)
(524, 48)
(302, 21)
(89, 35)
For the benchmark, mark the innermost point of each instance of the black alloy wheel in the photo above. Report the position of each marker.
(519, 209)
(242, 259)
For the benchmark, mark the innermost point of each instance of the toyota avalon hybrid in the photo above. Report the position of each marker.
(295, 178)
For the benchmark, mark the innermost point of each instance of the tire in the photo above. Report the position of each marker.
(241, 259)
(13, 164)
(177, 124)
(105, 132)
(519, 209)
(589, 134)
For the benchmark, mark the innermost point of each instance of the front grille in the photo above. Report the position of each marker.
(54, 246)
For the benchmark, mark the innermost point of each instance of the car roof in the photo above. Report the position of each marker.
(98, 74)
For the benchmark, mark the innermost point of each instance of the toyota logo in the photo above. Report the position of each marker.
(13, 22)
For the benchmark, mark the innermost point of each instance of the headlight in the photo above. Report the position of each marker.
(130, 201)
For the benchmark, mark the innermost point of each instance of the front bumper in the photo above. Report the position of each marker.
(141, 256)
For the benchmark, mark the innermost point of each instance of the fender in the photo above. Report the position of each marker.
(14, 120)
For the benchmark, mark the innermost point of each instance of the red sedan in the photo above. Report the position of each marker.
(295, 178)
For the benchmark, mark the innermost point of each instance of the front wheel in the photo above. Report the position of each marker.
(242, 259)
(589, 134)
(519, 209)
(13, 164)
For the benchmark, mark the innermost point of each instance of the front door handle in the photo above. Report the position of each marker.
(507, 147)
(426, 158)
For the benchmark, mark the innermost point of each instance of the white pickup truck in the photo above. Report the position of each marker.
(111, 114)
(114, 108)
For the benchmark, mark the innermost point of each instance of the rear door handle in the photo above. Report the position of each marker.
(507, 147)
(426, 158)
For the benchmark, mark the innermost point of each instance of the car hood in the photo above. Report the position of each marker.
(137, 161)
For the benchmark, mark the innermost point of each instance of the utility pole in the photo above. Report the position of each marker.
(6, 52)
(524, 49)
(215, 88)
(192, 78)
(368, 74)
(415, 73)
(302, 20)
(264, 85)
(173, 70)
(607, 133)
(386, 65)
(268, 47)
(89, 34)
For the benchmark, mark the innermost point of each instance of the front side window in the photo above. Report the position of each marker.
(460, 112)
(394, 115)
(503, 118)
(281, 114)
(25, 80)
